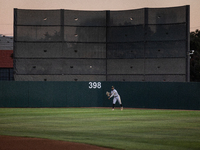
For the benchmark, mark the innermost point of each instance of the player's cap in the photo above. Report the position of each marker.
(112, 87)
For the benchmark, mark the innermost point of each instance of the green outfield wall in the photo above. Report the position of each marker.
(92, 94)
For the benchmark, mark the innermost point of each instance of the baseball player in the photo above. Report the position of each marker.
(116, 96)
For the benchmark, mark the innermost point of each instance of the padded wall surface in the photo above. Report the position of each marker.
(148, 44)
(10, 91)
(81, 94)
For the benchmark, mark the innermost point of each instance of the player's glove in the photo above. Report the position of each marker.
(108, 93)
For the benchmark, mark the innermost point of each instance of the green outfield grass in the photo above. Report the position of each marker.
(134, 129)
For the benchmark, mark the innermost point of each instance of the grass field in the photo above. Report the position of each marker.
(134, 129)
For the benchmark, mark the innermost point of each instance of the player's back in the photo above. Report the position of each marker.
(114, 92)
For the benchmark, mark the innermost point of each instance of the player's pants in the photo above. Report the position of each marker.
(117, 98)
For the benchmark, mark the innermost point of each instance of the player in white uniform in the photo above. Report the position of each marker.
(116, 96)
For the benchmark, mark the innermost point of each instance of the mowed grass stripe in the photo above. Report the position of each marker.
(127, 129)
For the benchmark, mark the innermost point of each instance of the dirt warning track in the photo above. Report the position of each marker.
(23, 143)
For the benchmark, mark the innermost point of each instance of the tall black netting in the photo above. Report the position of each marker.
(37, 17)
(148, 44)
(171, 15)
(60, 50)
(60, 66)
(85, 18)
(126, 18)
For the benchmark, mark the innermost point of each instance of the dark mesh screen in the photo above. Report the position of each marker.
(165, 66)
(125, 34)
(60, 66)
(138, 78)
(125, 66)
(126, 18)
(85, 34)
(38, 33)
(166, 32)
(84, 50)
(60, 77)
(38, 50)
(125, 50)
(60, 50)
(84, 18)
(165, 78)
(39, 17)
(148, 44)
(165, 49)
(166, 15)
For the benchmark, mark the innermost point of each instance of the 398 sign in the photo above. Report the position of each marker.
(94, 85)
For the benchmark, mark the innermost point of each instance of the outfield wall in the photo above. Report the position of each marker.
(83, 94)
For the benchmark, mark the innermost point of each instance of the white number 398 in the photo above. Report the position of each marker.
(94, 85)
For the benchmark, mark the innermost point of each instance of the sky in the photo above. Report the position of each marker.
(7, 6)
